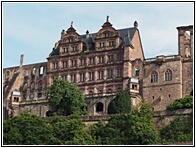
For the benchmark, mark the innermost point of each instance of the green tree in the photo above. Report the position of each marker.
(65, 98)
(182, 103)
(70, 132)
(180, 130)
(120, 104)
(135, 128)
(26, 129)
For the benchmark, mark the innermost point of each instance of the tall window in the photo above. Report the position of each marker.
(73, 78)
(73, 62)
(64, 77)
(154, 77)
(91, 76)
(119, 72)
(110, 58)
(101, 59)
(111, 43)
(110, 73)
(82, 77)
(82, 62)
(137, 71)
(55, 65)
(101, 44)
(100, 75)
(92, 61)
(119, 57)
(168, 75)
(65, 63)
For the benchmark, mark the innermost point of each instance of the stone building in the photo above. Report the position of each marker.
(102, 64)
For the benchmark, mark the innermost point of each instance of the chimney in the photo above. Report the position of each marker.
(21, 60)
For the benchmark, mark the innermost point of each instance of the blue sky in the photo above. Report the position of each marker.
(33, 29)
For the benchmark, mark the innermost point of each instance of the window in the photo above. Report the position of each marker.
(109, 90)
(110, 73)
(134, 86)
(101, 45)
(74, 48)
(73, 63)
(111, 43)
(82, 62)
(154, 77)
(40, 85)
(73, 78)
(137, 72)
(119, 72)
(55, 65)
(99, 107)
(64, 77)
(92, 61)
(16, 99)
(41, 70)
(91, 76)
(82, 77)
(100, 75)
(65, 49)
(119, 57)
(110, 58)
(7, 74)
(168, 75)
(32, 86)
(65, 64)
(119, 89)
(101, 59)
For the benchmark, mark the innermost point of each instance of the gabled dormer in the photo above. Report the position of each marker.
(107, 37)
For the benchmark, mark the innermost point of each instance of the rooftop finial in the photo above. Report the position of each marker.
(71, 23)
(107, 18)
(135, 24)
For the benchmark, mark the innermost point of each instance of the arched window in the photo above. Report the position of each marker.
(41, 70)
(32, 86)
(168, 75)
(99, 107)
(154, 77)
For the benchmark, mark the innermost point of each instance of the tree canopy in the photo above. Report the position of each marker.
(182, 103)
(120, 104)
(26, 129)
(135, 128)
(65, 98)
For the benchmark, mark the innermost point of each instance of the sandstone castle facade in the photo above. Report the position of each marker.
(102, 64)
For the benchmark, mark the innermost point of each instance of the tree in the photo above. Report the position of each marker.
(182, 103)
(70, 132)
(135, 128)
(120, 104)
(180, 130)
(26, 129)
(65, 98)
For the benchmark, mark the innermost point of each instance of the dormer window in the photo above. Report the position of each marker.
(102, 44)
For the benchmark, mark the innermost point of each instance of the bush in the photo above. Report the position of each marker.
(182, 103)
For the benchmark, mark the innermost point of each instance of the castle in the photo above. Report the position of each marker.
(102, 64)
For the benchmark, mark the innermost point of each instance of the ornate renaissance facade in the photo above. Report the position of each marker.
(102, 64)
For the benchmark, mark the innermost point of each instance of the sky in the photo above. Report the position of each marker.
(33, 28)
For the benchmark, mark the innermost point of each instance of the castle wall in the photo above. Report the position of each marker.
(162, 93)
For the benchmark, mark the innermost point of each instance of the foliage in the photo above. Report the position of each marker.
(182, 103)
(70, 132)
(64, 98)
(26, 129)
(120, 104)
(136, 128)
(178, 131)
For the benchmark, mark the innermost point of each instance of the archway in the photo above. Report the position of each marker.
(99, 107)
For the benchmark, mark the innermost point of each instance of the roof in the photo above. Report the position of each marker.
(126, 34)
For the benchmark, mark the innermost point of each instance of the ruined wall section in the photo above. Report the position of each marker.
(162, 93)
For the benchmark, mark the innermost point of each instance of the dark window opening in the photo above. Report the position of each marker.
(39, 95)
(99, 107)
